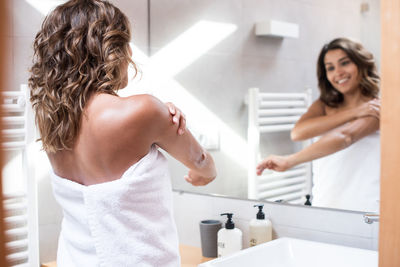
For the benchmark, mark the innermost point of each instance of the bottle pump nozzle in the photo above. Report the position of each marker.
(229, 223)
(308, 202)
(260, 214)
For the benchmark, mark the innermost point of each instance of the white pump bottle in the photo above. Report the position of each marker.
(229, 238)
(260, 228)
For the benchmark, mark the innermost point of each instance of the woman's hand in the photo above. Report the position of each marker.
(198, 180)
(371, 108)
(177, 117)
(275, 163)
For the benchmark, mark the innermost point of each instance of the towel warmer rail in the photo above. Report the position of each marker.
(268, 113)
(21, 216)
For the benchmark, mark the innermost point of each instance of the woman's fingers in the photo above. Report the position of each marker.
(370, 108)
(180, 119)
(182, 124)
(374, 108)
(273, 162)
(177, 117)
(197, 180)
(171, 108)
(188, 179)
(265, 164)
(260, 169)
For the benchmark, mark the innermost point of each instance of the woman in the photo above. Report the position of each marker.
(346, 112)
(108, 176)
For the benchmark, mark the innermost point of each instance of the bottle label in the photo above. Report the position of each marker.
(253, 242)
(221, 246)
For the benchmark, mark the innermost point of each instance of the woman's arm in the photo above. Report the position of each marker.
(184, 148)
(316, 122)
(330, 143)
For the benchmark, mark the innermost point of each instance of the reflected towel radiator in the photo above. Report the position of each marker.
(276, 112)
(21, 216)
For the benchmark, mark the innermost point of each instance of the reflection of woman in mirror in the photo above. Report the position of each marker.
(108, 175)
(346, 116)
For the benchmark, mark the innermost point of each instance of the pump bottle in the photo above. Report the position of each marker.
(229, 238)
(260, 228)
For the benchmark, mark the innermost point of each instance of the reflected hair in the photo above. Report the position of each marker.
(364, 60)
(79, 51)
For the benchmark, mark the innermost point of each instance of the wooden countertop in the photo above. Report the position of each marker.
(49, 264)
(190, 257)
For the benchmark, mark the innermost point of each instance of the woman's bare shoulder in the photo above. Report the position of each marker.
(142, 108)
(331, 110)
(317, 108)
(320, 104)
(114, 109)
(125, 116)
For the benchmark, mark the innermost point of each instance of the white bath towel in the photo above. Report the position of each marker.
(125, 222)
(349, 179)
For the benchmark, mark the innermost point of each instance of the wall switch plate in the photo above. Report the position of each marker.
(209, 139)
(207, 135)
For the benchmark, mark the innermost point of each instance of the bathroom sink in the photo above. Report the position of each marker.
(290, 252)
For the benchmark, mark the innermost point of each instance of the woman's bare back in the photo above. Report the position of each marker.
(109, 141)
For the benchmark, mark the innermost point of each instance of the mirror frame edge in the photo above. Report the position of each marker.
(389, 235)
(3, 27)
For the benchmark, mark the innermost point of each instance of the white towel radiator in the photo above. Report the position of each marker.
(276, 112)
(21, 216)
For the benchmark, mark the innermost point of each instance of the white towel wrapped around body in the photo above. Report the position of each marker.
(349, 179)
(125, 222)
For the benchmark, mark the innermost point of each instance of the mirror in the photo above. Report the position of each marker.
(209, 56)
(206, 57)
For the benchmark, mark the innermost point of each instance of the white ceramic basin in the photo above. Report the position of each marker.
(290, 252)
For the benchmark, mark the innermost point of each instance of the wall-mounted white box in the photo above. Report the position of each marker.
(277, 28)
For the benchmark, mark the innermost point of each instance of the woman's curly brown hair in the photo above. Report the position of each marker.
(369, 82)
(79, 51)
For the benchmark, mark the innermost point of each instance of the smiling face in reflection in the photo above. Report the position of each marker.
(341, 71)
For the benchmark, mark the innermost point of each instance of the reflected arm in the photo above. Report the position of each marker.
(315, 122)
(333, 141)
